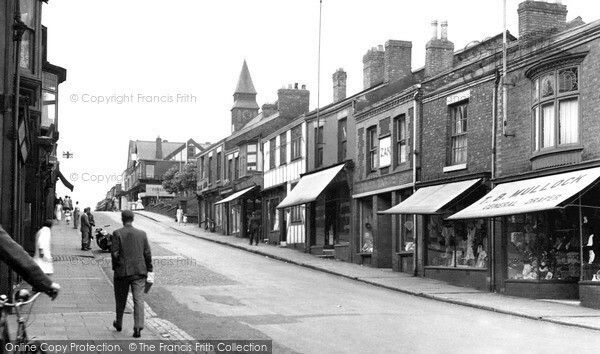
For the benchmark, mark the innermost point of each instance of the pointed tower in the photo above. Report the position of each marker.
(244, 101)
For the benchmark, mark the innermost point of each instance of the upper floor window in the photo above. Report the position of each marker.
(27, 10)
(201, 168)
(372, 148)
(272, 153)
(282, 149)
(342, 139)
(149, 171)
(218, 166)
(230, 168)
(49, 99)
(400, 130)
(458, 117)
(210, 160)
(296, 143)
(319, 146)
(251, 157)
(236, 166)
(556, 109)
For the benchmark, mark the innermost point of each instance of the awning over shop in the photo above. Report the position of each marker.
(64, 181)
(536, 194)
(310, 187)
(162, 194)
(430, 200)
(235, 195)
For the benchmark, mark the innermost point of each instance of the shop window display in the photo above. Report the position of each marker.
(461, 243)
(544, 246)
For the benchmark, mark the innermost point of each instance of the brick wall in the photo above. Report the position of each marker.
(437, 131)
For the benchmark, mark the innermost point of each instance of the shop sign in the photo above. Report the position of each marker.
(385, 152)
(542, 193)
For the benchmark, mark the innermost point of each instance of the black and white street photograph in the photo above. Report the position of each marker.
(300, 176)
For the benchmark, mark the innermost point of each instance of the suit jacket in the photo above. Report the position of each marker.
(130, 252)
(85, 223)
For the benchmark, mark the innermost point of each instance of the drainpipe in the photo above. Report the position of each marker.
(416, 112)
(18, 29)
(493, 176)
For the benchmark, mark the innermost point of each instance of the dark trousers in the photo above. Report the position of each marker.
(85, 238)
(122, 285)
(254, 236)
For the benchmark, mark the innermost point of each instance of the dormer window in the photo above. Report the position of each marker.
(556, 109)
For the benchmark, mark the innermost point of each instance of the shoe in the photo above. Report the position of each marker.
(88, 249)
(137, 332)
(117, 327)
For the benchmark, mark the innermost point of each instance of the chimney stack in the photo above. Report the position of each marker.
(397, 60)
(268, 109)
(159, 152)
(339, 85)
(373, 63)
(439, 53)
(292, 102)
(539, 17)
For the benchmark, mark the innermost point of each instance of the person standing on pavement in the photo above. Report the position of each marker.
(76, 215)
(58, 209)
(91, 220)
(85, 231)
(179, 215)
(254, 227)
(131, 262)
(43, 255)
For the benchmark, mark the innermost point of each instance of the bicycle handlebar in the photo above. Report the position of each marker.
(20, 303)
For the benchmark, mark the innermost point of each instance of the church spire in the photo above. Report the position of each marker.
(244, 100)
(245, 84)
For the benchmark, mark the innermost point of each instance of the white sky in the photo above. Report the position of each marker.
(196, 47)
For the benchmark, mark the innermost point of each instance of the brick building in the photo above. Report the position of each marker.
(29, 114)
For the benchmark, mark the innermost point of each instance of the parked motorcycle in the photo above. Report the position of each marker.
(103, 238)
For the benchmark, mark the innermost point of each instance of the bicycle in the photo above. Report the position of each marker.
(22, 344)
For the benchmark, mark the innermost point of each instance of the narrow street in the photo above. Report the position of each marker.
(214, 292)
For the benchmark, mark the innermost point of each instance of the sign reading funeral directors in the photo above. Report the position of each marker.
(536, 194)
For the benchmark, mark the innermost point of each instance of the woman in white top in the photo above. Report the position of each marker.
(43, 254)
(179, 215)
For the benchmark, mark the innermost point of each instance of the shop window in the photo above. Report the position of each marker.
(366, 227)
(543, 246)
(458, 116)
(296, 143)
(556, 109)
(319, 146)
(371, 149)
(400, 136)
(273, 214)
(272, 153)
(406, 231)
(342, 139)
(460, 244)
(282, 149)
(235, 219)
(297, 213)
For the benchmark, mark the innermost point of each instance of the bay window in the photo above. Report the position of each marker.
(556, 109)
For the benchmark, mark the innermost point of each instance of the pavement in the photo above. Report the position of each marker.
(84, 309)
(567, 313)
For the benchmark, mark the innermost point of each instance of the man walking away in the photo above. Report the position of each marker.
(85, 231)
(254, 227)
(76, 215)
(131, 262)
(43, 255)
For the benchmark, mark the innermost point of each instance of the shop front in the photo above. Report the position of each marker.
(234, 211)
(326, 194)
(544, 235)
(274, 230)
(452, 251)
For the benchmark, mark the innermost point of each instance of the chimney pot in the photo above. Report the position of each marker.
(434, 29)
(296, 85)
(304, 87)
(444, 30)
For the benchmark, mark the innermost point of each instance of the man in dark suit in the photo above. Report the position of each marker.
(131, 262)
(85, 230)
